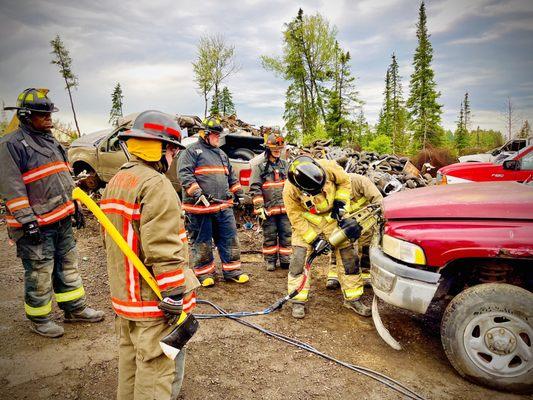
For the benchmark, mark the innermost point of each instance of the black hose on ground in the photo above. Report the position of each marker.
(387, 381)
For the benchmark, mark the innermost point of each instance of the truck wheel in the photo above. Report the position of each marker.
(487, 334)
(242, 154)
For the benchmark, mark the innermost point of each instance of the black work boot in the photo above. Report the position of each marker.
(85, 315)
(284, 265)
(47, 329)
(358, 307)
(333, 284)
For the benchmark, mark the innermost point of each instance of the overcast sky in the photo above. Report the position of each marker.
(484, 47)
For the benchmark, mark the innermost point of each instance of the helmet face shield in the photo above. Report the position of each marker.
(307, 175)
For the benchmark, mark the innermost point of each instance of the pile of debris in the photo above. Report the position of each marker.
(389, 173)
(193, 124)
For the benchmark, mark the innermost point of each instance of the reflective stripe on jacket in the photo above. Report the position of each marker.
(144, 207)
(266, 184)
(309, 214)
(35, 182)
(207, 168)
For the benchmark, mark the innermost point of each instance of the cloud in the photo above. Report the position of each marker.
(497, 32)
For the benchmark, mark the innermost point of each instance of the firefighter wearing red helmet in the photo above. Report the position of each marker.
(142, 204)
(36, 185)
(269, 173)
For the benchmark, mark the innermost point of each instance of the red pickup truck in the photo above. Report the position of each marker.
(469, 248)
(518, 167)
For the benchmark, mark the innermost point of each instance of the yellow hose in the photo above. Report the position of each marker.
(78, 194)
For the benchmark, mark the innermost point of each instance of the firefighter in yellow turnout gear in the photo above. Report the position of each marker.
(363, 193)
(316, 195)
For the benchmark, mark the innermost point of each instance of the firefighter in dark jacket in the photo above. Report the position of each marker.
(266, 189)
(210, 190)
(36, 185)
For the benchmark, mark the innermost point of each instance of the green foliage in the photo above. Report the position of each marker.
(424, 110)
(306, 63)
(342, 99)
(223, 105)
(215, 62)
(319, 133)
(461, 138)
(482, 140)
(381, 144)
(61, 58)
(116, 105)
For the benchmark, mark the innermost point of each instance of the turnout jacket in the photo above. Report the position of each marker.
(266, 184)
(309, 215)
(363, 191)
(142, 204)
(207, 168)
(35, 182)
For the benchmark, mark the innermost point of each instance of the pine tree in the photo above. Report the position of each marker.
(342, 99)
(64, 62)
(461, 134)
(214, 110)
(384, 125)
(116, 105)
(424, 111)
(467, 111)
(226, 102)
(398, 112)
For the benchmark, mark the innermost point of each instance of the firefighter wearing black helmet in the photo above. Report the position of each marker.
(142, 204)
(269, 173)
(316, 196)
(36, 185)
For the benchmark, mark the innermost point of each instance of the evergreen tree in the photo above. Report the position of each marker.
(214, 110)
(467, 112)
(398, 112)
(64, 62)
(116, 105)
(461, 134)
(424, 111)
(384, 125)
(361, 134)
(342, 99)
(226, 102)
(525, 131)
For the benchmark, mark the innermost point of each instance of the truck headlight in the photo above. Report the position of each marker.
(403, 251)
(441, 179)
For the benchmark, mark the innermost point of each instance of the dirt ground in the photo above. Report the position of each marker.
(226, 360)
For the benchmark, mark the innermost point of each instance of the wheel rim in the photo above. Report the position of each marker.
(499, 343)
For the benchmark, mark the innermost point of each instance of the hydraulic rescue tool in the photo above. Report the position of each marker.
(364, 219)
(186, 325)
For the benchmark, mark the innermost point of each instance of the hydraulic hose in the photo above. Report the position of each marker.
(385, 380)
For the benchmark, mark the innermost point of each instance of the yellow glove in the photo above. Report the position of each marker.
(262, 213)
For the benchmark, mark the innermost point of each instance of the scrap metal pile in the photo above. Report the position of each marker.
(390, 173)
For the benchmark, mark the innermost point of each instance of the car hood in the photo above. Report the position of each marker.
(461, 167)
(486, 200)
(91, 139)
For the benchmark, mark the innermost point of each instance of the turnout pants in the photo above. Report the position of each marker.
(51, 266)
(220, 228)
(144, 372)
(277, 239)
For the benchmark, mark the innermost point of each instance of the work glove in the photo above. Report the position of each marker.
(261, 213)
(78, 217)
(32, 232)
(351, 228)
(338, 210)
(172, 307)
(321, 245)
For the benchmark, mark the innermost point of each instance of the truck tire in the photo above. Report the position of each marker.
(487, 334)
(242, 154)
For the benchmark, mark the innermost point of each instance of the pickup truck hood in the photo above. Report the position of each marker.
(91, 139)
(486, 200)
(461, 169)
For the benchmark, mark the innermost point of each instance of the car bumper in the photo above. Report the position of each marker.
(401, 285)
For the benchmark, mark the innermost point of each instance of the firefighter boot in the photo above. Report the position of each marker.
(242, 278)
(47, 329)
(207, 282)
(270, 266)
(86, 315)
(358, 307)
(284, 265)
(333, 284)
(298, 310)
